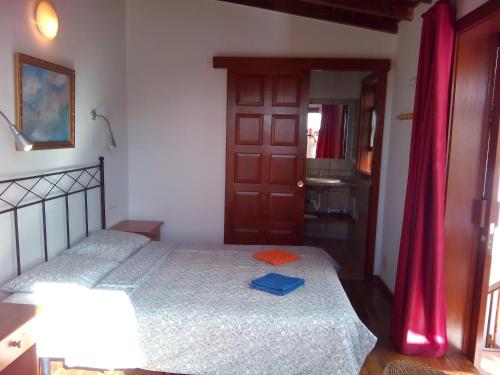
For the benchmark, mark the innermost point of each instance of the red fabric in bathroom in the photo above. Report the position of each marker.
(418, 324)
(328, 138)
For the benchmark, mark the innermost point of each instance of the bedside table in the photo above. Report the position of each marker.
(17, 346)
(150, 229)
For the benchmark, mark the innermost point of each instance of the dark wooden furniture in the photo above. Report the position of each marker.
(265, 155)
(17, 346)
(472, 184)
(150, 229)
(308, 63)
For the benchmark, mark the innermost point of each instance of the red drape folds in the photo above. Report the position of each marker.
(419, 316)
(328, 143)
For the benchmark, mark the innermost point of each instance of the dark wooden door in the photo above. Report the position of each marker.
(265, 156)
(486, 312)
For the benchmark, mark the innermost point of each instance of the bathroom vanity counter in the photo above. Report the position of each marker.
(330, 182)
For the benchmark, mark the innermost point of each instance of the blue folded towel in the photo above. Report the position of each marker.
(276, 284)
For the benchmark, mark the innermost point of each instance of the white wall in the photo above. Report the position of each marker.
(395, 160)
(91, 40)
(467, 6)
(327, 84)
(176, 101)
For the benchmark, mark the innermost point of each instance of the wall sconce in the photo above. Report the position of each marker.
(22, 143)
(112, 142)
(46, 19)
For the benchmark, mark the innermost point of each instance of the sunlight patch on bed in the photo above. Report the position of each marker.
(88, 327)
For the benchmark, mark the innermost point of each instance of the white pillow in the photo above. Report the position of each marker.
(63, 270)
(129, 274)
(109, 244)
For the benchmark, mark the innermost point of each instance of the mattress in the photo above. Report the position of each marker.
(193, 312)
(21, 298)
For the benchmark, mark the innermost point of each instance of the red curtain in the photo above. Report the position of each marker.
(328, 141)
(419, 316)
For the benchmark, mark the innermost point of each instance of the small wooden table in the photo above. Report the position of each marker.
(150, 229)
(17, 345)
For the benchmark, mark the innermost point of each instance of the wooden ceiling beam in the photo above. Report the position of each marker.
(393, 9)
(325, 13)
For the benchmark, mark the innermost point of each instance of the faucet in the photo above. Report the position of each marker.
(322, 170)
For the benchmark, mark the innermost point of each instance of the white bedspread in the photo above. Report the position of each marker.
(195, 314)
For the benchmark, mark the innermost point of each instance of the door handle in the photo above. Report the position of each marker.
(300, 183)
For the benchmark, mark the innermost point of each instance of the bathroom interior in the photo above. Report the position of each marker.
(341, 127)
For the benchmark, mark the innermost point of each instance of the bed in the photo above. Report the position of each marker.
(116, 300)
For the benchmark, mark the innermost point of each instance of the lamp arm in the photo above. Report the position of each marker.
(12, 126)
(94, 115)
(105, 119)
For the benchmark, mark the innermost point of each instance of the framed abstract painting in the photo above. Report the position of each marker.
(45, 102)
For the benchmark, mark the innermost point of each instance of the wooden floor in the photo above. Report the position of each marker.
(351, 263)
(373, 306)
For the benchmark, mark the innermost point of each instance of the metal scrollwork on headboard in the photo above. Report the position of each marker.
(23, 192)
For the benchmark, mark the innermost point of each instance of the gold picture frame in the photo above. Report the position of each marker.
(45, 102)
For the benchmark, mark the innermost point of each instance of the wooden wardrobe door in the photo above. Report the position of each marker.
(265, 156)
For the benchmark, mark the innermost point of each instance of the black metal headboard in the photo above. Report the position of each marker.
(41, 188)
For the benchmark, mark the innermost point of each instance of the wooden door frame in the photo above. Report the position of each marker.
(484, 250)
(380, 66)
(478, 283)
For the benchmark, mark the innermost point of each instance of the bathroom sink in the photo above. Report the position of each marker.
(324, 181)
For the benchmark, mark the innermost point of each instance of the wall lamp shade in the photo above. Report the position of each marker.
(46, 19)
(112, 142)
(22, 143)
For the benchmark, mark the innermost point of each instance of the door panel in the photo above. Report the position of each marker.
(265, 156)
(283, 170)
(249, 128)
(281, 206)
(286, 91)
(246, 204)
(285, 130)
(247, 168)
(250, 90)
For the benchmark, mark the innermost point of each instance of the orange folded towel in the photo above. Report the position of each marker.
(276, 257)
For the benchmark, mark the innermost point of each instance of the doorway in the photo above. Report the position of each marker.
(267, 109)
(341, 134)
